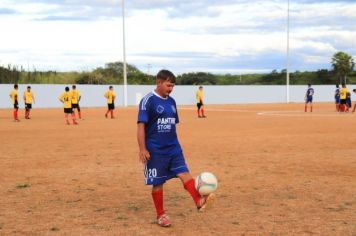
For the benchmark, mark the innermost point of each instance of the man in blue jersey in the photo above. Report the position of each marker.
(309, 98)
(160, 150)
(337, 98)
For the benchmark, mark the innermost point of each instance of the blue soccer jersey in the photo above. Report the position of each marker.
(166, 156)
(160, 117)
(310, 92)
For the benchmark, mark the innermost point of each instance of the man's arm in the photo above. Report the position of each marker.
(144, 155)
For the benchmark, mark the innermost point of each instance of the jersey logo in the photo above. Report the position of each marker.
(160, 109)
(174, 109)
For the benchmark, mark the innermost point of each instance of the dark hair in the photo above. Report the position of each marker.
(354, 90)
(67, 89)
(16, 86)
(110, 87)
(73, 86)
(166, 75)
(28, 87)
(343, 84)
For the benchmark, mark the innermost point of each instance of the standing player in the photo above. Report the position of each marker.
(309, 98)
(66, 99)
(337, 98)
(343, 97)
(75, 100)
(15, 101)
(110, 97)
(200, 105)
(28, 98)
(159, 148)
(348, 102)
(353, 110)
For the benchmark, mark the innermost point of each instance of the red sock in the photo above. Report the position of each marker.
(157, 197)
(80, 115)
(190, 187)
(202, 112)
(14, 115)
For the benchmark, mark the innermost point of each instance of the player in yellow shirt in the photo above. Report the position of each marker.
(344, 92)
(110, 97)
(28, 98)
(75, 100)
(66, 99)
(200, 104)
(15, 101)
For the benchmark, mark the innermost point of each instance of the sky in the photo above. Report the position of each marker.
(218, 36)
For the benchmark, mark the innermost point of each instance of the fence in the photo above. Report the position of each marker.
(46, 96)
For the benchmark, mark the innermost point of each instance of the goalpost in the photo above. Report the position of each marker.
(124, 53)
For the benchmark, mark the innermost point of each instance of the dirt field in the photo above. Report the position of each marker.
(280, 171)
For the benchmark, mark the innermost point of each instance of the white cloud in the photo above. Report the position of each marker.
(224, 36)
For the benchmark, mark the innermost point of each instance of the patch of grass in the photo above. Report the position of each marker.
(101, 209)
(74, 201)
(121, 217)
(133, 207)
(337, 209)
(21, 186)
(54, 229)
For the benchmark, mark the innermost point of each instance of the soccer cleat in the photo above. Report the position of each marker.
(204, 116)
(75, 123)
(106, 115)
(205, 202)
(164, 221)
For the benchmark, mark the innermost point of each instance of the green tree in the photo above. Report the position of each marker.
(343, 64)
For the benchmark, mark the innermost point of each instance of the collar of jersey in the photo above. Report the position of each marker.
(154, 92)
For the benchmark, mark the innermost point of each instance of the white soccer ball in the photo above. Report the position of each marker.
(206, 183)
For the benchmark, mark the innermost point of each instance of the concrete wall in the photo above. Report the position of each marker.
(93, 95)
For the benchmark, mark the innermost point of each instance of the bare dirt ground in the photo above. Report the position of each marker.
(280, 171)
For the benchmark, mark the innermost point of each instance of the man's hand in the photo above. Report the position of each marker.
(144, 155)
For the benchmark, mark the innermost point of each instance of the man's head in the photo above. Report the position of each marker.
(165, 81)
(111, 87)
(343, 85)
(67, 89)
(201, 87)
(16, 86)
(74, 87)
(28, 88)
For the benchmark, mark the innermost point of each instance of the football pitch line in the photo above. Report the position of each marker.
(321, 113)
(283, 113)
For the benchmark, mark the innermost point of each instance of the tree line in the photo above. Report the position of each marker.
(112, 73)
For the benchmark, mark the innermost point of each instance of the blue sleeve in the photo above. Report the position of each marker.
(143, 111)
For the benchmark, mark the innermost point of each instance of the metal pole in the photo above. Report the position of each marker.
(124, 52)
(288, 55)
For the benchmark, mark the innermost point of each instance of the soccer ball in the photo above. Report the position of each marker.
(206, 183)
